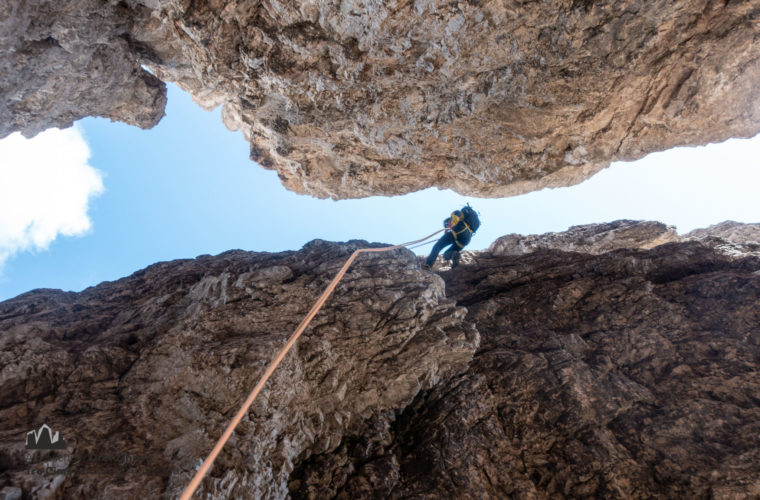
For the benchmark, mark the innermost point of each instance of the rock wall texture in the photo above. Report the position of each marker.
(735, 232)
(141, 376)
(64, 60)
(734, 239)
(358, 98)
(633, 373)
(591, 238)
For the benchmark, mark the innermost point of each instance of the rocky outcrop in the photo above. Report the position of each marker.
(632, 373)
(142, 375)
(731, 231)
(591, 238)
(735, 232)
(353, 99)
(65, 60)
(734, 239)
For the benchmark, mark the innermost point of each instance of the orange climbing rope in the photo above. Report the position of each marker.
(196, 481)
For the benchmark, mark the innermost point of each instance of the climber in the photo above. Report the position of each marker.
(459, 230)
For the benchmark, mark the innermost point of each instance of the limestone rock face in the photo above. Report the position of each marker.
(359, 98)
(735, 232)
(631, 374)
(591, 238)
(731, 238)
(142, 375)
(64, 60)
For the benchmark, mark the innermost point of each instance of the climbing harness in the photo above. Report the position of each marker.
(200, 473)
(466, 228)
(455, 219)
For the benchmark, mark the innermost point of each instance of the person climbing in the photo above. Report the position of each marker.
(459, 230)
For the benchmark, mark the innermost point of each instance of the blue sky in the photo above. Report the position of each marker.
(187, 187)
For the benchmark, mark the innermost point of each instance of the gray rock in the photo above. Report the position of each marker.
(10, 493)
(353, 99)
(733, 239)
(623, 374)
(142, 375)
(630, 374)
(65, 60)
(735, 232)
(591, 238)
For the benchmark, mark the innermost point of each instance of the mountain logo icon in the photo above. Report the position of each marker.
(44, 439)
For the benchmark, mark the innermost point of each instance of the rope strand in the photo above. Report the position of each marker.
(200, 473)
(421, 244)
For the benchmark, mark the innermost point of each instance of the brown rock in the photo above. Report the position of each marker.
(628, 374)
(353, 99)
(65, 60)
(735, 232)
(142, 375)
(631, 374)
(591, 238)
(733, 239)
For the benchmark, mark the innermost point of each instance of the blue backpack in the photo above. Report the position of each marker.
(471, 218)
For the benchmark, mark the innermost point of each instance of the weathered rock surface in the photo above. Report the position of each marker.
(735, 232)
(590, 238)
(734, 239)
(142, 375)
(632, 374)
(358, 98)
(628, 374)
(64, 60)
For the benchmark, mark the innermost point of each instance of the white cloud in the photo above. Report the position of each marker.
(45, 187)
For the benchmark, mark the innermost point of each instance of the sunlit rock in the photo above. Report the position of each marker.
(352, 99)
